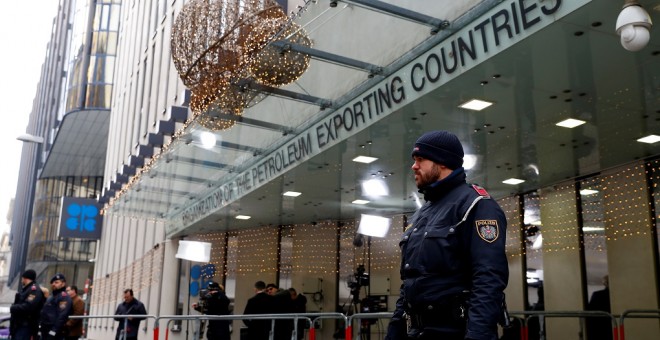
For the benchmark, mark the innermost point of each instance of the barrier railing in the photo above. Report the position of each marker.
(126, 317)
(310, 318)
(564, 314)
(636, 313)
(358, 316)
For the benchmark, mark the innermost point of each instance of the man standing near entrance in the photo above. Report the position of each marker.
(74, 327)
(453, 262)
(130, 306)
(24, 323)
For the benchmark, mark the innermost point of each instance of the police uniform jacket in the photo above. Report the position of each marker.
(454, 246)
(55, 312)
(26, 307)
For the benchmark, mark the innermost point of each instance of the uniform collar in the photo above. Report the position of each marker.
(439, 189)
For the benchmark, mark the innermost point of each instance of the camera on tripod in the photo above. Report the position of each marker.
(361, 278)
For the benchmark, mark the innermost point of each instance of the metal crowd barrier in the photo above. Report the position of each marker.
(310, 318)
(636, 313)
(524, 331)
(125, 317)
(359, 316)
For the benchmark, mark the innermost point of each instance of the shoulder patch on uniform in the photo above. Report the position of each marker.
(64, 294)
(488, 230)
(481, 191)
(33, 288)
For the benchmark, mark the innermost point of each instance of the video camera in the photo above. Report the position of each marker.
(361, 278)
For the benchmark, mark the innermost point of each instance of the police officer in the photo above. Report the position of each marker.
(215, 302)
(26, 308)
(453, 262)
(57, 309)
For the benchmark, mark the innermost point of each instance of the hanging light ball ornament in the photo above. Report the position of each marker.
(208, 36)
(214, 105)
(268, 64)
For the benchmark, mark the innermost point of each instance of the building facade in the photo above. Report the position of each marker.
(366, 78)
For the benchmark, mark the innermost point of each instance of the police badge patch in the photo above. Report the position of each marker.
(488, 230)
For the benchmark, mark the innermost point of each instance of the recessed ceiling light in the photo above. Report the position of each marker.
(364, 159)
(292, 194)
(243, 217)
(650, 139)
(570, 123)
(587, 192)
(469, 161)
(360, 202)
(513, 181)
(475, 104)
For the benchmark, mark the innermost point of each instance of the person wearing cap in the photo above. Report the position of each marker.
(130, 306)
(214, 301)
(56, 310)
(453, 264)
(25, 310)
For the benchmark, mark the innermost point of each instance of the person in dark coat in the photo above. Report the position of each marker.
(25, 310)
(282, 304)
(56, 310)
(260, 303)
(215, 302)
(299, 306)
(453, 262)
(600, 328)
(130, 306)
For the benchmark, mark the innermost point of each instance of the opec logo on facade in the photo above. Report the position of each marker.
(200, 276)
(80, 218)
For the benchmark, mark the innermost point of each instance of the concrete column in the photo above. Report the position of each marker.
(562, 264)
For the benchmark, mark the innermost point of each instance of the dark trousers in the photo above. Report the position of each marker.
(23, 333)
(437, 335)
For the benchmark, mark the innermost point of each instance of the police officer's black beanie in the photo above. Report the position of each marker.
(442, 147)
(30, 274)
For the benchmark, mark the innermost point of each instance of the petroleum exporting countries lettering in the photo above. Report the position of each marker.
(496, 30)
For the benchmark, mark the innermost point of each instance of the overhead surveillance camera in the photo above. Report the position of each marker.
(633, 26)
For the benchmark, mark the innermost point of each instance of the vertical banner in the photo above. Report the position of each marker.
(80, 218)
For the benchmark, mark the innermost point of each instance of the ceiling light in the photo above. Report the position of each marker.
(587, 229)
(650, 139)
(587, 192)
(570, 123)
(475, 104)
(375, 188)
(513, 181)
(469, 161)
(292, 194)
(207, 139)
(243, 217)
(364, 159)
(360, 202)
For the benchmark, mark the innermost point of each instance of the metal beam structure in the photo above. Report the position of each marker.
(250, 84)
(400, 12)
(284, 45)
